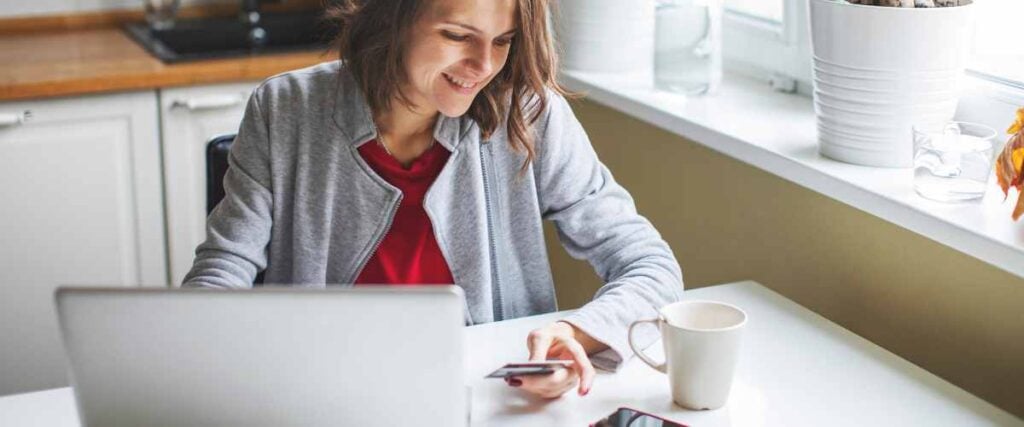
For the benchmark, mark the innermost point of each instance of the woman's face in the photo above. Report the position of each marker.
(455, 48)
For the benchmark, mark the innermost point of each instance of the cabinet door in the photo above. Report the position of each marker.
(81, 205)
(190, 117)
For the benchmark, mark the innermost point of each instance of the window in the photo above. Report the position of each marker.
(764, 37)
(768, 10)
(767, 37)
(998, 48)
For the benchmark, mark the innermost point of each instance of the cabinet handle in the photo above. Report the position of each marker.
(213, 102)
(14, 119)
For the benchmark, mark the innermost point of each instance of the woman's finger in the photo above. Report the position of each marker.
(547, 386)
(557, 341)
(582, 364)
(539, 342)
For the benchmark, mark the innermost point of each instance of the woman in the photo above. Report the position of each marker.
(430, 154)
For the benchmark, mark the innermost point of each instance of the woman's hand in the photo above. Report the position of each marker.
(559, 340)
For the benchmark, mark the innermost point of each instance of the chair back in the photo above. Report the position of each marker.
(216, 167)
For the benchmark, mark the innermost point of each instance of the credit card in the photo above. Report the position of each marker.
(520, 369)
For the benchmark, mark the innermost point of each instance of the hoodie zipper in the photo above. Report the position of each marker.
(499, 305)
(379, 240)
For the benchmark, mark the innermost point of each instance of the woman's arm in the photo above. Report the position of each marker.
(597, 220)
(238, 229)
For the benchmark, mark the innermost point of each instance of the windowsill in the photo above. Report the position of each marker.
(776, 132)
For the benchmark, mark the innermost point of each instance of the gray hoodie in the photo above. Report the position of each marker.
(302, 204)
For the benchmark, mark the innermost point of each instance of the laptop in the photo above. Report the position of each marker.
(266, 357)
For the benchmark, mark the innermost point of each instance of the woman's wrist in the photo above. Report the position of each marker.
(588, 342)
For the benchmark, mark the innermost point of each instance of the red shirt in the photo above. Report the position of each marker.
(408, 254)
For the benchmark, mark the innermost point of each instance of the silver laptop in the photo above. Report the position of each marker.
(266, 357)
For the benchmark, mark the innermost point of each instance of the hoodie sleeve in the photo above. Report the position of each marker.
(238, 229)
(597, 221)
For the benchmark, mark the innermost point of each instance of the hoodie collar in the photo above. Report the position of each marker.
(353, 117)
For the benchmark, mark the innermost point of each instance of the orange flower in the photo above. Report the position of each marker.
(1017, 124)
(1018, 159)
(1010, 164)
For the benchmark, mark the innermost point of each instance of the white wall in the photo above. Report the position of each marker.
(12, 8)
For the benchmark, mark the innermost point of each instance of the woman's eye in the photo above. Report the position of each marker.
(455, 37)
(503, 42)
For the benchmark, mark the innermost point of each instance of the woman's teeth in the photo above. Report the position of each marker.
(461, 83)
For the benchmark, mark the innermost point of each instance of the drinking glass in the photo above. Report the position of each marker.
(160, 13)
(688, 46)
(953, 160)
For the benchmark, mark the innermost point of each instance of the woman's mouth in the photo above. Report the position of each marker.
(460, 85)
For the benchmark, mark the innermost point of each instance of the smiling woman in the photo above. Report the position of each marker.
(454, 50)
(429, 154)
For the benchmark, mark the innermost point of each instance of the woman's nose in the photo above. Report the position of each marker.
(481, 59)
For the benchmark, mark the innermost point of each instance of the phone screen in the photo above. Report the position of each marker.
(625, 417)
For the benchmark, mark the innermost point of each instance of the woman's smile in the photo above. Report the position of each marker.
(460, 85)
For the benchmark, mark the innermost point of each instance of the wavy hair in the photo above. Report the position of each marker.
(371, 40)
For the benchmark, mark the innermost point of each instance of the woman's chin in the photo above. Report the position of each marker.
(454, 109)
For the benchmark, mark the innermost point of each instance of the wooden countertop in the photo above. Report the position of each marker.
(52, 64)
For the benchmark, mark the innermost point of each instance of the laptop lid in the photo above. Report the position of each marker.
(267, 356)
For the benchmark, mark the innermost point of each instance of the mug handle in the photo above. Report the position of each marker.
(659, 366)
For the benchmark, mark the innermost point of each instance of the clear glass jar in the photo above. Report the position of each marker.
(688, 46)
(160, 13)
(953, 160)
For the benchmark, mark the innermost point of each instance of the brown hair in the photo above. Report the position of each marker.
(372, 39)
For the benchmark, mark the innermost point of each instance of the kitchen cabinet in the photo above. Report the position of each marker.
(190, 117)
(82, 205)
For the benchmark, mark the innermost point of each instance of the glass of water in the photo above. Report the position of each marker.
(160, 13)
(953, 160)
(688, 46)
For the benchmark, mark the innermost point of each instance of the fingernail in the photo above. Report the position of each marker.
(514, 382)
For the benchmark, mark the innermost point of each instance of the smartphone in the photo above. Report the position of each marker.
(529, 368)
(627, 417)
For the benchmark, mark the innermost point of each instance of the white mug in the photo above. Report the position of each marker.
(702, 342)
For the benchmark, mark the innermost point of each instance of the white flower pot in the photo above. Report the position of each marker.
(909, 60)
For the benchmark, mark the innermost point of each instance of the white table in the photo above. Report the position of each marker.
(796, 369)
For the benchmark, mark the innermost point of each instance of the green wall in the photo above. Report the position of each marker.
(945, 311)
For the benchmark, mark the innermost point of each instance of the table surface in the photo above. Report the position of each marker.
(795, 368)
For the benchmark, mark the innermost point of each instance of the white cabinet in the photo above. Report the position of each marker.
(190, 117)
(81, 204)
